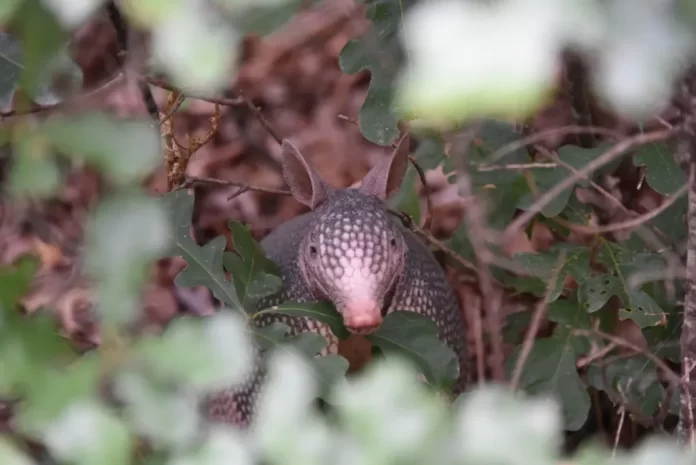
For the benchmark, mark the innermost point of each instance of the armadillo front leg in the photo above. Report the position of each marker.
(237, 406)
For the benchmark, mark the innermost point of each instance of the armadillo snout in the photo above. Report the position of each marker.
(361, 316)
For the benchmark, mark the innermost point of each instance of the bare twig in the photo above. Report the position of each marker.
(262, 119)
(594, 355)
(421, 174)
(106, 85)
(161, 83)
(475, 220)
(641, 277)
(671, 376)
(633, 222)
(179, 100)
(537, 137)
(192, 180)
(539, 312)
(516, 167)
(619, 149)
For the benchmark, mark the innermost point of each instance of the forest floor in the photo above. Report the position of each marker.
(294, 78)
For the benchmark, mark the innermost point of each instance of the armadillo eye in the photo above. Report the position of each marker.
(312, 251)
(392, 242)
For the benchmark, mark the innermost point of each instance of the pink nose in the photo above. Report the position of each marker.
(362, 316)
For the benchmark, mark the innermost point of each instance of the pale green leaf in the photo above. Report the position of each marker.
(87, 433)
(125, 235)
(126, 150)
(208, 354)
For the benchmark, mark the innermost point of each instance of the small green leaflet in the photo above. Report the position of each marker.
(415, 336)
(324, 312)
(254, 275)
(204, 263)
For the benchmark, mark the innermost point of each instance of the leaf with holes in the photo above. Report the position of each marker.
(253, 274)
(637, 305)
(415, 337)
(597, 290)
(204, 263)
(662, 172)
(550, 369)
(379, 51)
(323, 311)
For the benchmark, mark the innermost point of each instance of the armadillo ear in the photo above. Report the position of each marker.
(306, 185)
(385, 178)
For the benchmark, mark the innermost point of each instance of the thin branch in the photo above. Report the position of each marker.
(192, 180)
(537, 137)
(619, 149)
(161, 83)
(539, 313)
(475, 219)
(421, 174)
(633, 222)
(516, 167)
(671, 376)
(262, 119)
(177, 103)
(115, 79)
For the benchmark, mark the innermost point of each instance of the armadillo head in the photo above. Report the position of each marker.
(353, 254)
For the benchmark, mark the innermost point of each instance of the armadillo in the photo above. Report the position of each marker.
(350, 250)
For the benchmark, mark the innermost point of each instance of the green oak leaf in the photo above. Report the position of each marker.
(254, 275)
(204, 263)
(662, 172)
(415, 337)
(550, 369)
(208, 354)
(378, 51)
(55, 391)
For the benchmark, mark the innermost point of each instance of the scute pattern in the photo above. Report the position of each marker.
(350, 222)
